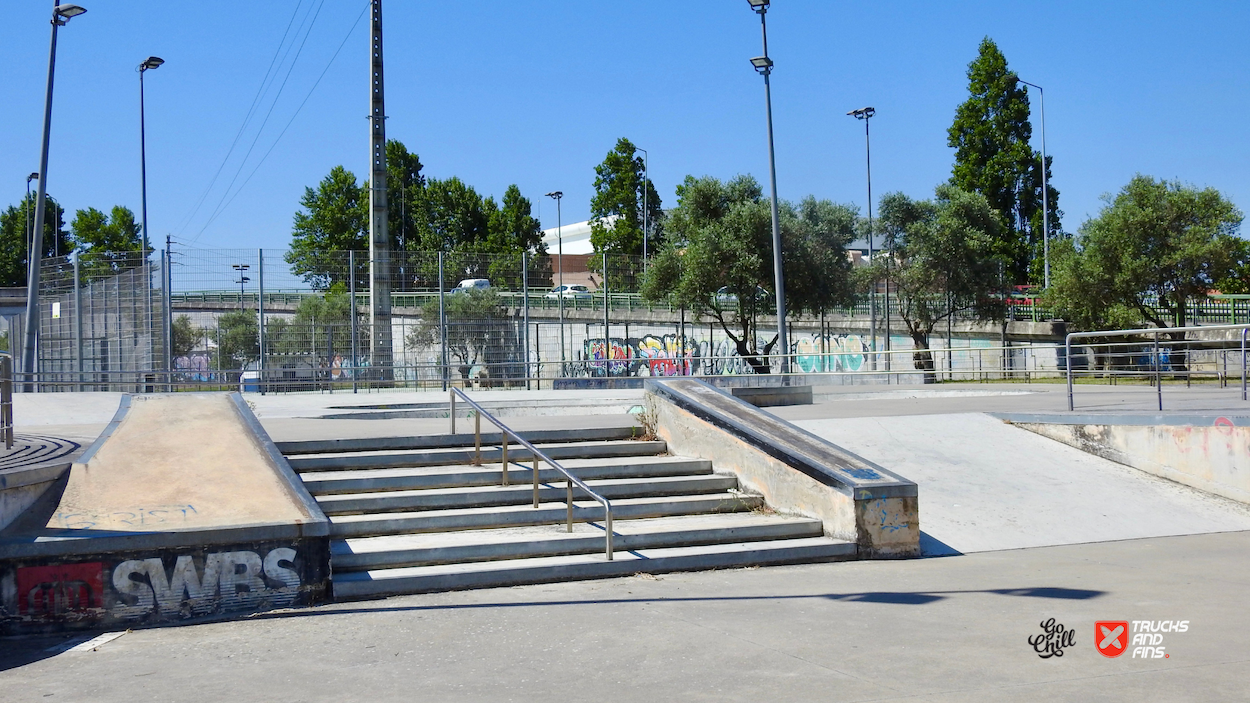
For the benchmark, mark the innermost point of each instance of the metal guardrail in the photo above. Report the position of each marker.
(536, 454)
(6, 399)
(1156, 370)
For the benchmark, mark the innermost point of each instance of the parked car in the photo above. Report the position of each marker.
(469, 284)
(570, 292)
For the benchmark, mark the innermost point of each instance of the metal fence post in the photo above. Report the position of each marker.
(607, 343)
(1158, 376)
(167, 299)
(442, 323)
(525, 332)
(351, 287)
(1067, 363)
(1243, 363)
(260, 314)
(78, 360)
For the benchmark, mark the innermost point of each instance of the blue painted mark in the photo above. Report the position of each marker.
(865, 474)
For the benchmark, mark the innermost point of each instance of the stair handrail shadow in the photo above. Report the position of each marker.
(537, 454)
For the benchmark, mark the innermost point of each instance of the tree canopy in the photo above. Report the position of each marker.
(1154, 246)
(990, 135)
(942, 258)
(13, 237)
(107, 243)
(718, 259)
(616, 209)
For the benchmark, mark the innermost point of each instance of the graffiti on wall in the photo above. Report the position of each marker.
(671, 355)
(223, 581)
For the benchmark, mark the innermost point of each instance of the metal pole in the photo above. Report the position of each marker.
(867, 114)
(607, 343)
(646, 176)
(379, 241)
(1158, 377)
(535, 456)
(451, 412)
(1067, 362)
(1045, 195)
(34, 259)
(442, 321)
(568, 501)
(503, 436)
(351, 287)
(560, 249)
(78, 320)
(525, 332)
(477, 438)
(778, 276)
(260, 314)
(169, 314)
(1243, 363)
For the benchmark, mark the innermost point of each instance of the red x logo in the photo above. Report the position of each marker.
(1111, 637)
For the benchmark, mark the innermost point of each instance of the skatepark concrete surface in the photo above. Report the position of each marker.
(947, 630)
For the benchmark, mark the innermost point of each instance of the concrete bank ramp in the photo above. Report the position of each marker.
(183, 507)
(988, 485)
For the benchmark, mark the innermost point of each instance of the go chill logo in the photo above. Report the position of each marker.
(1112, 637)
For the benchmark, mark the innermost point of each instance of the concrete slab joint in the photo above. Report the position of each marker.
(796, 471)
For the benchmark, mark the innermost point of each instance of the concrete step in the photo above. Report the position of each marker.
(460, 439)
(551, 540)
(490, 454)
(414, 478)
(546, 514)
(519, 493)
(425, 579)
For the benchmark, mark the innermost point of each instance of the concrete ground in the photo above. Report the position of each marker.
(1043, 531)
(943, 629)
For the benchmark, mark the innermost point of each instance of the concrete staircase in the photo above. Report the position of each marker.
(414, 515)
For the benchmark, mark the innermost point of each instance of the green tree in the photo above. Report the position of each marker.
(321, 325)
(1152, 248)
(334, 219)
(239, 338)
(616, 208)
(942, 259)
(990, 136)
(13, 237)
(477, 328)
(108, 243)
(718, 259)
(185, 336)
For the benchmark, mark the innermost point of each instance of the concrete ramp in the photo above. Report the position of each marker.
(183, 507)
(988, 485)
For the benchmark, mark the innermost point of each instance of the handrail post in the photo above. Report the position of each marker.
(1067, 358)
(535, 480)
(1158, 377)
(607, 526)
(477, 438)
(568, 499)
(452, 414)
(504, 436)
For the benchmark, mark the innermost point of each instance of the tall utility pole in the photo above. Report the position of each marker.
(379, 242)
(1041, 94)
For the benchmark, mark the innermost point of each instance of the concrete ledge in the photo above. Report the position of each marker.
(1208, 452)
(796, 471)
(772, 396)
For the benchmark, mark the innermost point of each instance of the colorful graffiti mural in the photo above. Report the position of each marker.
(671, 355)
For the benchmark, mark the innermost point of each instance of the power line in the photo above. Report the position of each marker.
(261, 129)
(260, 90)
(289, 122)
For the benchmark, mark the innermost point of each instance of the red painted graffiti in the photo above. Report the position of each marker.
(46, 591)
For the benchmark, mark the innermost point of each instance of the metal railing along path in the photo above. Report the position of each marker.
(537, 454)
(1156, 370)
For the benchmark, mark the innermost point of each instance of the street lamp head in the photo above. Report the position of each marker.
(241, 267)
(63, 13)
(555, 194)
(152, 62)
(760, 6)
(763, 64)
(863, 113)
(32, 177)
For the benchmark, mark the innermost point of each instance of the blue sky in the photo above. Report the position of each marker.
(535, 93)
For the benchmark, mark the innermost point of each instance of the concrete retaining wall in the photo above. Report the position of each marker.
(796, 471)
(1207, 452)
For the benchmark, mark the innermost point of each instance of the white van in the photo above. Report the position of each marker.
(469, 284)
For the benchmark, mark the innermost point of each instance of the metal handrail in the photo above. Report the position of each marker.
(536, 454)
(1156, 331)
(6, 399)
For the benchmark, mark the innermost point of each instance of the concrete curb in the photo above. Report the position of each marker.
(1140, 420)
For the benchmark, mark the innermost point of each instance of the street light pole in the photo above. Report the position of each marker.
(1041, 94)
(30, 233)
(764, 65)
(560, 256)
(150, 63)
(60, 15)
(240, 268)
(865, 114)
